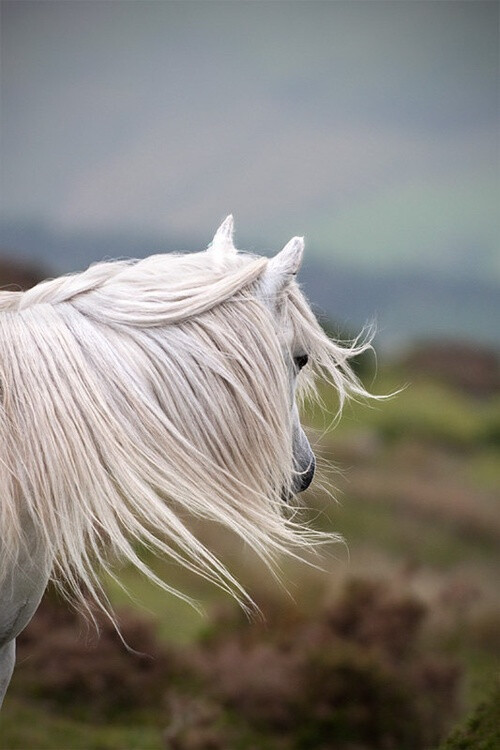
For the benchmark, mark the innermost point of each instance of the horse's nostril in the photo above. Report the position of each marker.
(306, 478)
(301, 481)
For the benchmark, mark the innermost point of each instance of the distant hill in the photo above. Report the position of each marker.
(16, 275)
(407, 307)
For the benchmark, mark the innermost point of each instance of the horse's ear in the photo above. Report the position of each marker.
(283, 267)
(222, 244)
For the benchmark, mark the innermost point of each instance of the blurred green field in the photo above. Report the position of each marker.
(416, 480)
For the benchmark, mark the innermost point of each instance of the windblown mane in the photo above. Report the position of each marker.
(138, 393)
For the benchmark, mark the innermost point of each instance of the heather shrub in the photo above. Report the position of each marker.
(352, 676)
(484, 630)
(350, 696)
(371, 615)
(63, 660)
(258, 681)
(194, 724)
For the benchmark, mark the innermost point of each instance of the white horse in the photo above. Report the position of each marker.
(138, 392)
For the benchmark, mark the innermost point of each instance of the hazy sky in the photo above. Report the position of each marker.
(370, 127)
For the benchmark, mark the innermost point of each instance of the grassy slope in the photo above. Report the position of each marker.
(28, 726)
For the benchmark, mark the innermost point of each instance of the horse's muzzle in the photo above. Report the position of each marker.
(304, 480)
(301, 481)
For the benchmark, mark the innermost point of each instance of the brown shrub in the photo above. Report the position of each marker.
(436, 681)
(470, 367)
(15, 274)
(370, 614)
(484, 631)
(192, 725)
(351, 696)
(260, 681)
(353, 676)
(64, 661)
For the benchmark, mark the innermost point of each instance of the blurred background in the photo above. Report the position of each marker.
(372, 128)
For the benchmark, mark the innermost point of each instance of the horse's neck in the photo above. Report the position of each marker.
(23, 585)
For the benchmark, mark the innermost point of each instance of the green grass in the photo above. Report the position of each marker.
(29, 726)
(177, 621)
(483, 469)
(481, 730)
(481, 672)
(405, 536)
(425, 410)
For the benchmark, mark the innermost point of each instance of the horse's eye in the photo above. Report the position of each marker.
(301, 361)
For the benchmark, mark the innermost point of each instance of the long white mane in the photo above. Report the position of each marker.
(138, 394)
